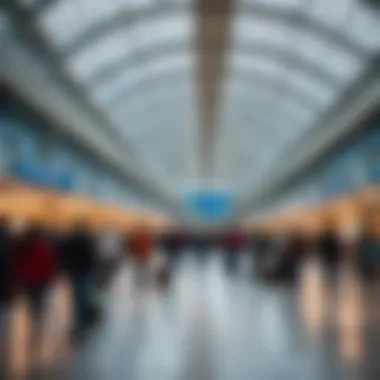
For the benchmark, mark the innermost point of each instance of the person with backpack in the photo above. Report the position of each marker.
(78, 255)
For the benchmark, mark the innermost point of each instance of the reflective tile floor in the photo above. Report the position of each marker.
(210, 325)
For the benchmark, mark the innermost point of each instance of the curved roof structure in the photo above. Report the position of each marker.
(288, 62)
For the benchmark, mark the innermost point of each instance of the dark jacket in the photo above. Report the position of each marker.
(329, 248)
(78, 255)
(5, 278)
(172, 243)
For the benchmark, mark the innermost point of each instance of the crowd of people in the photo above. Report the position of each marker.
(31, 261)
(34, 259)
(281, 256)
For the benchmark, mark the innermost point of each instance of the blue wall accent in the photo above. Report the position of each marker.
(32, 152)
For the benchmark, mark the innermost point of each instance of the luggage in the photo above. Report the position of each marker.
(163, 276)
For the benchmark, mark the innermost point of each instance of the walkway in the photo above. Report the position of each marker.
(213, 326)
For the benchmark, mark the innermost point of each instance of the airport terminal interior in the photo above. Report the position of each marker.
(189, 189)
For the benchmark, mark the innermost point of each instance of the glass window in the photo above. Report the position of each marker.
(257, 65)
(295, 110)
(332, 13)
(82, 14)
(112, 47)
(339, 62)
(283, 129)
(134, 104)
(179, 27)
(275, 3)
(130, 77)
(315, 89)
(55, 20)
(260, 30)
(364, 27)
(240, 94)
(153, 101)
(109, 49)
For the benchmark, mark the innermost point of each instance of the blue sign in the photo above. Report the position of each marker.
(29, 171)
(209, 205)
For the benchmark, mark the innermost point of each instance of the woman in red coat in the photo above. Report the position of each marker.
(33, 267)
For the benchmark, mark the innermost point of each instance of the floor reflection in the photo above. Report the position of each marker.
(211, 325)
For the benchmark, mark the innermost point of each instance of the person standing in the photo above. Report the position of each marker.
(141, 245)
(33, 269)
(5, 277)
(79, 260)
(5, 293)
(173, 243)
(233, 244)
(330, 249)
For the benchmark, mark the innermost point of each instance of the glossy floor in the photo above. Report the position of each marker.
(212, 325)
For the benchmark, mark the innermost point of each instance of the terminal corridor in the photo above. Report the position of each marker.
(189, 189)
(214, 325)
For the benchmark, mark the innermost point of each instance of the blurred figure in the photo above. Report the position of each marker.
(233, 244)
(33, 270)
(141, 245)
(78, 255)
(172, 243)
(260, 245)
(290, 260)
(329, 249)
(198, 243)
(273, 257)
(5, 278)
(109, 254)
(368, 252)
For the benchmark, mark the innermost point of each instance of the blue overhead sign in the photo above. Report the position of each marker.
(209, 205)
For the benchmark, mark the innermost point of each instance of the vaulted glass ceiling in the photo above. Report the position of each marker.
(135, 59)
(289, 62)
(299, 57)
